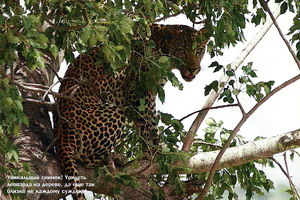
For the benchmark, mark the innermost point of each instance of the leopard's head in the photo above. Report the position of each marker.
(178, 41)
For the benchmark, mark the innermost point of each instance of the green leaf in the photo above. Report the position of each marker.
(212, 86)
(119, 48)
(142, 105)
(11, 38)
(231, 82)
(163, 59)
(166, 118)
(210, 122)
(101, 28)
(42, 40)
(93, 40)
(9, 100)
(161, 94)
(250, 90)
(259, 96)
(54, 50)
(283, 7)
(217, 66)
(5, 81)
(87, 31)
(15, 155)
(230, 73)
(210, 129)
(19, 104)
(16, 129)
(252, 74)
(101, 33)
(166, 150)
(235, 92)
(125, 27)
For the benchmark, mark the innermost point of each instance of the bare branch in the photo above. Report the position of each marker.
(292, 185)
(264, 4)
(204, 109)
(166, 17)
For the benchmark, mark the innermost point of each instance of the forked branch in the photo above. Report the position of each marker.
(245, 117)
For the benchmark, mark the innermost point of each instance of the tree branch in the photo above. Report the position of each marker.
(199, 111)
(166, 17)
(287, 174)
(266, 8)
(234, 156)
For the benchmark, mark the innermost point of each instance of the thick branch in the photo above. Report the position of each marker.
(242, 154)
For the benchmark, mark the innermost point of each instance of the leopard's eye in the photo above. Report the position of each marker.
(180, 52)
(200, 51)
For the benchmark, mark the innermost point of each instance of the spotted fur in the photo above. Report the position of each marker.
(93, 119)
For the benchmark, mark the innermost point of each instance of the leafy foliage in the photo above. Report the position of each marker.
(11, 119)
(236, 84)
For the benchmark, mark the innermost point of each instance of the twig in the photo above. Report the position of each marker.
(236, 130)
(286, 173)
(198, 111)
(54, 71)
(50, 89)
(210, 144)
(293, 188)
(266, 8)
(166, 17)
(71, 27)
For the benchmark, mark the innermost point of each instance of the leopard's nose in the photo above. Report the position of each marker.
(187, 75)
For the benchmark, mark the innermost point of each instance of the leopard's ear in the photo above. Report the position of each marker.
(202, 33)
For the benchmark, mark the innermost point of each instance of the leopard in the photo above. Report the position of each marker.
(92, 115)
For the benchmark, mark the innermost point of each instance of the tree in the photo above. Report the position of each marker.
(37, 36)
